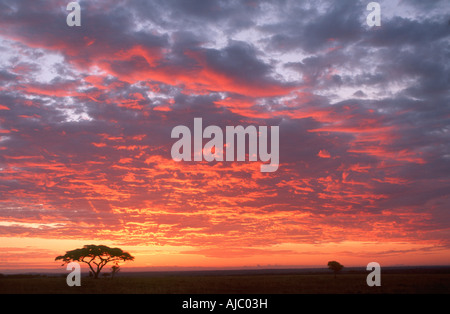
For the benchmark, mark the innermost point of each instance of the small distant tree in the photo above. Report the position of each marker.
(96, 256)
(335, 267)
(114, 270)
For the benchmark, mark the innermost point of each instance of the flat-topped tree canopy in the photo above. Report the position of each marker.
(335, 267)
(96, 256)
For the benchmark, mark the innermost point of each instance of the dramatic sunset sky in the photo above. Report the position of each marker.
(86, 115)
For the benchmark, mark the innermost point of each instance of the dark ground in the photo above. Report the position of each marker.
(404, 280)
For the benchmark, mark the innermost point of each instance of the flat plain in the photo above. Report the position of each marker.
(400, 281)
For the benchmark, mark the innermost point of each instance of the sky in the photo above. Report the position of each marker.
(86, 115)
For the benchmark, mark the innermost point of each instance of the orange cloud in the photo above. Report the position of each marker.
(324, 154)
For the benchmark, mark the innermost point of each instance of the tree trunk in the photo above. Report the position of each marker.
(94, 273)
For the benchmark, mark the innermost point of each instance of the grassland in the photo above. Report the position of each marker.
(286, 283)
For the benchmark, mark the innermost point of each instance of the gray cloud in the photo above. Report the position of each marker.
(98, 141)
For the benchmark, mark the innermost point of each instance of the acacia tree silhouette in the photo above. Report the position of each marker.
(335, 267)
(96, 256)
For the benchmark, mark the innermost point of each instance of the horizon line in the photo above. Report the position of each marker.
(10, 271)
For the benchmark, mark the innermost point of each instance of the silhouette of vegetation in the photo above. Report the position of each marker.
(96, 256)
(114, 270)
(335, 267)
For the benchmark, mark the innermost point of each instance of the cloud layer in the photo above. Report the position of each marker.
(86, 115)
